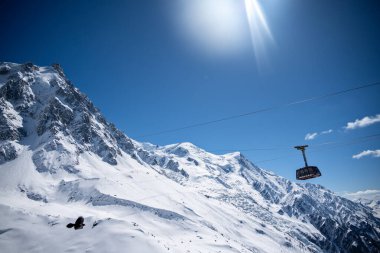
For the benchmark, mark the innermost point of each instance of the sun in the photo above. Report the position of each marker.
(225, 27)
(214, 27)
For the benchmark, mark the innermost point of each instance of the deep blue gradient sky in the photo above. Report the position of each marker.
(134, 62)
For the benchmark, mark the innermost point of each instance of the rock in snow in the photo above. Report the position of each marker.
(60, 158)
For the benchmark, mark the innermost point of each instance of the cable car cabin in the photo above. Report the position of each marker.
(307, 173)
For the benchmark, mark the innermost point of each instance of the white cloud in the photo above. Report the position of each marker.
(310, 136)
(327, 131)
(360, 194)
(373, 153)
(366, 121)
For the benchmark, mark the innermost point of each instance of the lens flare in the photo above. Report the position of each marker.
(261, 35)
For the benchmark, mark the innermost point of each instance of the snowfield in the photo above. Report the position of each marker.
(132, 207)
(370, 198)
(60, 159)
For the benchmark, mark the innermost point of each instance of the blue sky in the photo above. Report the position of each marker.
(156, 65)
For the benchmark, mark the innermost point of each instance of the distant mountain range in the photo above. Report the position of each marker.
(60, 159)
(370, 198)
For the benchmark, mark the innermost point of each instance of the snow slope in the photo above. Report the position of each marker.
(370, 198)
(60, 158)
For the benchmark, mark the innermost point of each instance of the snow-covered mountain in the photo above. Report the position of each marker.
(60, 158)
(370, 198)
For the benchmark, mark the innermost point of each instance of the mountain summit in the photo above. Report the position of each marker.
(60, 159)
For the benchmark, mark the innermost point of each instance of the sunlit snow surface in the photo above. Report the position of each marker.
(370, 198)
(138, 197)
(137, 208)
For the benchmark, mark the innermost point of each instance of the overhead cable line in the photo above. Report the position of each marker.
(321, 147)
(345, 143)
(261, 110)
(312, 146)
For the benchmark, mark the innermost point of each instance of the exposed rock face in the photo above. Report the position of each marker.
(167, 165)
(10, 123)
(64, 119)
(8, 152)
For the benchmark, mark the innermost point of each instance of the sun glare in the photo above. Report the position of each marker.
(215, 27)
(219, 27)
(261, 36)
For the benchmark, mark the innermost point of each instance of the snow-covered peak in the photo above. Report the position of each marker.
(183, 149)
(370, 198)
(56, 115)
